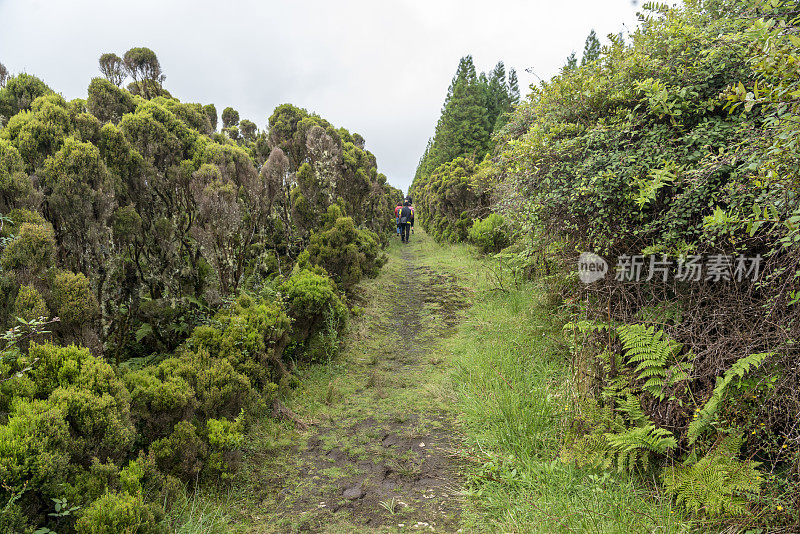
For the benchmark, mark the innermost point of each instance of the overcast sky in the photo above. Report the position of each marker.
(378, 68)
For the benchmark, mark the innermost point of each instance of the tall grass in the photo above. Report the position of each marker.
(196, 513)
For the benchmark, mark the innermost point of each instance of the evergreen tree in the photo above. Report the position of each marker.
(113, 68)
(513, 87)
(143, 66)
(572, 62)
(230, 117)
(463, 128)
(498, 99)
(591, 49)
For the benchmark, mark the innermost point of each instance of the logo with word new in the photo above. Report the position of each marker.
(591, 267)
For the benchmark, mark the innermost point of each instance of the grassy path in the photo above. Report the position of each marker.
(445, 412)
(378, 454)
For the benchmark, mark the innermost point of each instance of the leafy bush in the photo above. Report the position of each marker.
(15, 186)
(315, 307)
(452, 195)
(158, 404)
(489, 234)
(31, 253)
(19, 93)
(115, 513)
(29, 304)
(182, 453)
(224, 440)
(35, 449)
(73, 299)
(347, 253)
(108, 102)
(219, 389)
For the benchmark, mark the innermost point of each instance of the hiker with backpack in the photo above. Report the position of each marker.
(406, 221)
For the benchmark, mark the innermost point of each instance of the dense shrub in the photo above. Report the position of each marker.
(676, 145)
(15, 186)
(127, 217)
(225, 439)
(489, 234)
(35, 447)
(347, 253)
(219, 389)
(449, 198)
(181, 454)
(317, 311)
(156, 404)
(31, 253)
(29, 304)
(73, 299)
(19, 93)
(115, 513)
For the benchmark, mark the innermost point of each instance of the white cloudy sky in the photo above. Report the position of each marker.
(380, 68)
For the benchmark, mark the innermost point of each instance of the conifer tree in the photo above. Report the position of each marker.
(591, 49)
(498, 101)
(572, 62)
(513, 87)
(463, 128)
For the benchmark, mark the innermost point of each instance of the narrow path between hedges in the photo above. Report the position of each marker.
(378, 455)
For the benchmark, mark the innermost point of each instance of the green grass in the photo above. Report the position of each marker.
(197, 512)
(514, 397)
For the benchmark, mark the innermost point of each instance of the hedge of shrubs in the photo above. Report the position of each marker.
(203, 265)
(117, 443)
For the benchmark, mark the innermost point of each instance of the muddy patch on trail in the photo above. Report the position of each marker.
(400, 478)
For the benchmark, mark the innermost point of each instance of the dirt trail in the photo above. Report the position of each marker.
(379, 456)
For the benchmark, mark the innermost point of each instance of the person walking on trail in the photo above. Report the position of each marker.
(397, 214)
(406, 221)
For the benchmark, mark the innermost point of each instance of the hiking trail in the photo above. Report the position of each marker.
(378, 455)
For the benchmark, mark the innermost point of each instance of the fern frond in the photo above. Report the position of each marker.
(650, 351)
(718, 483)
(584, 327)
(707, 415)
(634, 446)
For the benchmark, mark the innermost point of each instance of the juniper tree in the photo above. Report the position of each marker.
(211, 112)
(230, 117)
(143, 66)
(113, 68)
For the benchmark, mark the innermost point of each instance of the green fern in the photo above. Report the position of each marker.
(635, 446)
(717, 483)
(585, 327)
(707, 416)
(651, 352)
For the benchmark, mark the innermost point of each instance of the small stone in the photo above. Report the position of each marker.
(353, 493)
(421, 443)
